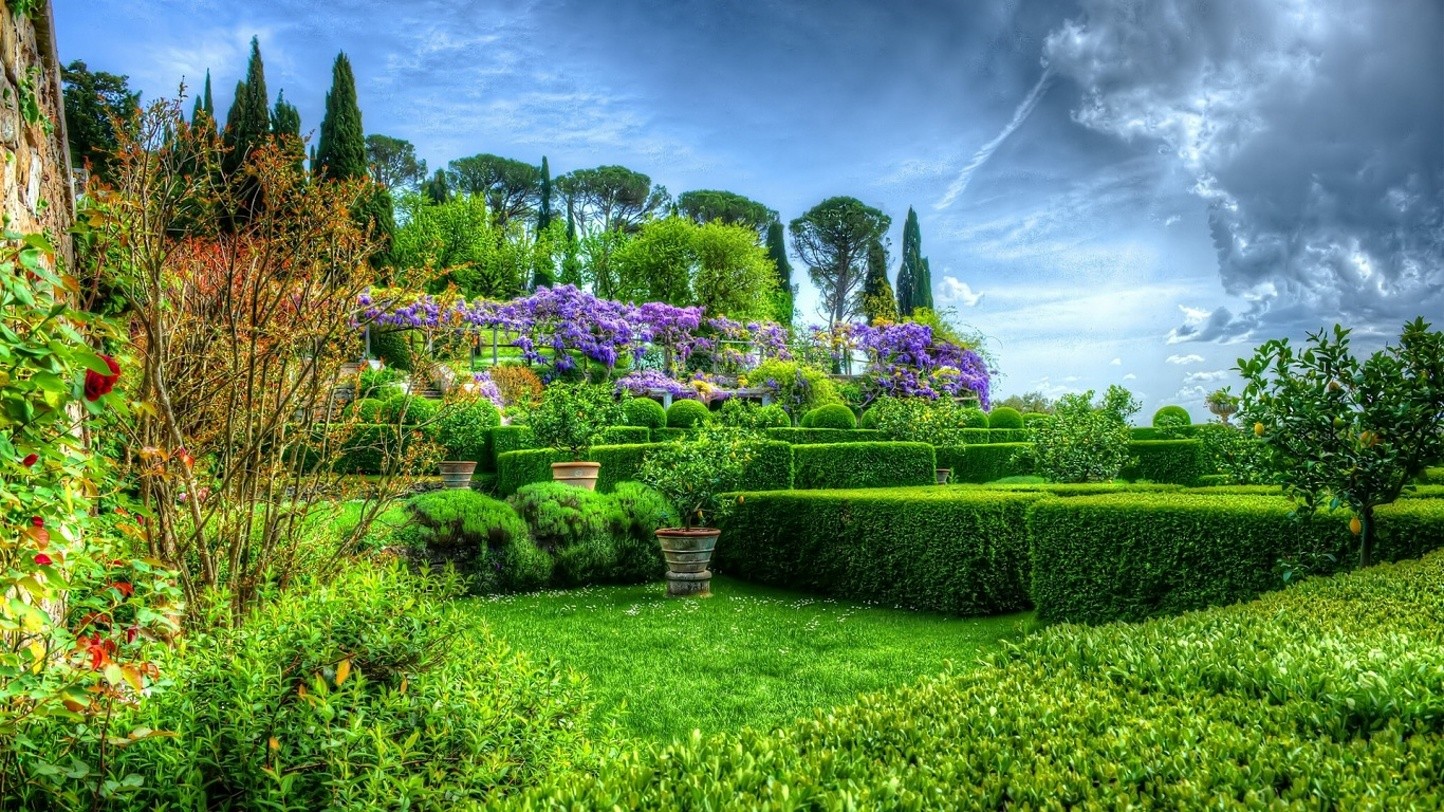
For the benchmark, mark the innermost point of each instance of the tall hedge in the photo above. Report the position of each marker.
(803, 436)
(509, 438)
(1178, 462)
(863, 465)
(939, 549)
(1131, 556)
(984, 462)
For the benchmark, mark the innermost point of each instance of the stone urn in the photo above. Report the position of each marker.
(457, 473)
(944, 474)
(577, 474)
(688, 552)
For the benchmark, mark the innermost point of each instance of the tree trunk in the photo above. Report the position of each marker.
(1366, 538)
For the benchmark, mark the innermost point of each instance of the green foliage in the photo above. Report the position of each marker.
(609, 199)
(341, 146)
(457, 239)
(571, 417)
(806, 436)
(1131, 556)
(987, 462)
(657, 264)
(561, 515)
(409, 410)
(594, 537)
(974, 418)
(393, 348)
(996, 435)
(797, 388)
(878, 302)
(832, 416)
(1319, 697)
(868, 420)
(863, 465)
(1164, 432)
(248, 122)
(832, 239)
(346, 697)
(94, 101)
(1035, 419)
(464, 429)
(749, 416)
(393, 163)
(938, 422)
(709, 205)
(1005, 417)
(910, 283)
(1343, 431)
(693, 475)
(733, 277)
(1172, 417)
(927, 548)
(366, 410)
(482, 537)
(1178, 462)
(782, 302)
(644, 412)
(687, 414)
(510, 438)
(1084, 441)
(625, 435)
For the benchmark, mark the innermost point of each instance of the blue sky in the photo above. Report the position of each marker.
(1113, 192)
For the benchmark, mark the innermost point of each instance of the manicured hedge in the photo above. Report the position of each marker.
(670, 435)
(1432, 476)
(771, 470)
(863, 465)
(1178, 462)
(976, 436)
(1175, 433)
(624, 435)
(1134, 555)
(940, 549)
(509, 438)
(800, 436)
(1007, 435)
(1322, 696)
(984, 462)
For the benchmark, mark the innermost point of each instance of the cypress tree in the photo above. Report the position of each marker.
(923, 287)
(286, 126)
(248, 124)
(341, 149)
(544, 208)
(777, 250)
(436, 189)
(908, 275)
(205, 104)
(877, 296)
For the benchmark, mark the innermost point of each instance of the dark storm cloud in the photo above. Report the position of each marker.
(1314, 130)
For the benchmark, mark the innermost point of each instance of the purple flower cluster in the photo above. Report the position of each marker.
(643, 382)
(487, 388)
(906, 361)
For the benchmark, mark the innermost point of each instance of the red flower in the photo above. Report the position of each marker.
(130, 633)
(124, 588)
(30, 460)
(98, 649)
(98, 385)
(43, 560)
(36, 521)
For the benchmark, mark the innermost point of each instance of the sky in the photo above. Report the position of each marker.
(1112, 192)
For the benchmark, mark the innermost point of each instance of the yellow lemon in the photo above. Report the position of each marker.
(1355, 526)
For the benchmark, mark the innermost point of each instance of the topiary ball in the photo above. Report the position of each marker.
(868, 419)
(975, 419)
(773, 416)
(1171, 417)
(410, 410)
(644, 412)
(687, 414)
(807, 418)
(833, 416)
(1005, 417)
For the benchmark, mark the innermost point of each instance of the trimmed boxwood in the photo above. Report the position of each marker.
(940, 549)
(509, 438)
(833, 416)
(770, 470)
(622, 435)
(801, 436)
(975, 418)
(1179, 462)
(1005, 417)
(863, 465)
(1172, 417)
(977, 436)
(686, 414)
(670, 435)
(1132, 556)
(645, 413)
(997, 435)
(984, 462)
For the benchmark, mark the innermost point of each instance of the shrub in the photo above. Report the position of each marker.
(518, 385)
(379, 384)
(919, 420)
(833, 416)
(1179, 462)
(393, 348)
(1005, 417)
(868, 419)
(931, 548)
(1084, 442)
(644, 412)
(863, 465)
(596, 538)
(693, 475)
(807, 419)
(687, 414)
(358, 681)
(510, 438)
(797, 388)
(560, 515)
(1172, 417)
(974, 418)
(773, 416)
(365, 410)
(749, 416)
(625, 435)
(985, 463)
(1165, 433)
(409, 410)
(1131, 556)
(1035, 419)
(482, 537)
(464, 430)
(804, 436)
(644, 511)
(571, 417)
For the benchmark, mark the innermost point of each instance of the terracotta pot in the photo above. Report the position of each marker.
(577, 474)
(457, 473)
(944, 474)
(688, 552)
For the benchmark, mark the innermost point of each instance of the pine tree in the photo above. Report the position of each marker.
(205, 105)
(777, 250)
(878, 302)
(907, 275)
(248, 124)
(286, 127)
(923, 286)
(341, 150)
(544, 207)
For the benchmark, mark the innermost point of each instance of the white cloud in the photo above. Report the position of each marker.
(1185, 359)
(1205, 377)
(955, 290)
(1116, 362)
(1130, 377)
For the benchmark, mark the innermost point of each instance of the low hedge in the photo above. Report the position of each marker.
(1132, 556)
(1162, 433)
(772, 470)
(1322, 696)
(932, 548)
(1432, 476)
(670, 435)
(985, 462)
(509, 438)
(623, 435)
(863, 465)
(1007, 435)
(1177, 462)
(801, 436)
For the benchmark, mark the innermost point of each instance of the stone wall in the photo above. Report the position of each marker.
(35, 178)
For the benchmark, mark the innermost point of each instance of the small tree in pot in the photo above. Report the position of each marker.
(569, 418)
(693, 475)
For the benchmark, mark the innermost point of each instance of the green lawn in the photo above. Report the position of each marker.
(748, 656)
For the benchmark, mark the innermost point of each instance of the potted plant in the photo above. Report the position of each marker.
(463, 431)
(692, 475)
(569, 418)
(1222, 403)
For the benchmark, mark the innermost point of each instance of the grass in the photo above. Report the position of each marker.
(748, 656)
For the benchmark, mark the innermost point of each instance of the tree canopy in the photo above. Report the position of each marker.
(93, 100)
(393, 162)
(248, 123)
(610, 198)
(708, 205)
(833, 238)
